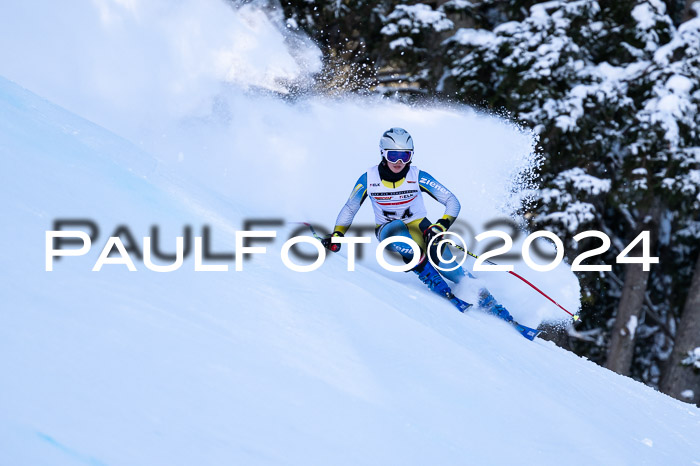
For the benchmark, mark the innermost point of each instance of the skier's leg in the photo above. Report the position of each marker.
(428, 275)
(425, 271)
(398, 228)
(489, 303)
(455, 275)
(416, 229)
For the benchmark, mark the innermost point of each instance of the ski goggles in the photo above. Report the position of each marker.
(394, 156)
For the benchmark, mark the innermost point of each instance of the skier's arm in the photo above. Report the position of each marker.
(444, 196)
(347, 213)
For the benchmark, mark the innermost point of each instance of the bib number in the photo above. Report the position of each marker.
(394, 215)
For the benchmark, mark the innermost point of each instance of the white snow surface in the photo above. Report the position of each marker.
(265, 365)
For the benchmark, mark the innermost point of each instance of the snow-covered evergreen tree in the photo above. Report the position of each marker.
(413, 33)
(612, 90)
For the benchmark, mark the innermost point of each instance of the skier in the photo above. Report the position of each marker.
(396, 189)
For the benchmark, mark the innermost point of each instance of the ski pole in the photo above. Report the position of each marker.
(333, 246)
(313, 231)
(576, 317)
(521, 278)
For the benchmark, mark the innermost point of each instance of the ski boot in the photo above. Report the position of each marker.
(488, 302)
(431, 277)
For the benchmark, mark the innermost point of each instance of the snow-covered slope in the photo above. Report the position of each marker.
(266, 365)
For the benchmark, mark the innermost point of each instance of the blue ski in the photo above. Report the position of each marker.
(527, 332)
(459, 304)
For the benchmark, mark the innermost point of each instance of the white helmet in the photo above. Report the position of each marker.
(396, 139)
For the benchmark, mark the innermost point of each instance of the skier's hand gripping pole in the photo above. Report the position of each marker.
(325, 240)
(335, 247)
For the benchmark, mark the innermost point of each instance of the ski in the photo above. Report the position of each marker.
(462, 306)
(527, 332)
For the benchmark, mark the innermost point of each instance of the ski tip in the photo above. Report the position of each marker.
(527, 332)
(462, 306)
(530, 334)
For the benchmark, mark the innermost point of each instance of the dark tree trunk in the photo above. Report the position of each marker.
(622, 341)
(688, 13)
(679, 10)
(621, 349)
(678, 378)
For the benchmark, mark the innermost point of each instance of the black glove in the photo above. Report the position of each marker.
(435, 229)
(335, 247)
